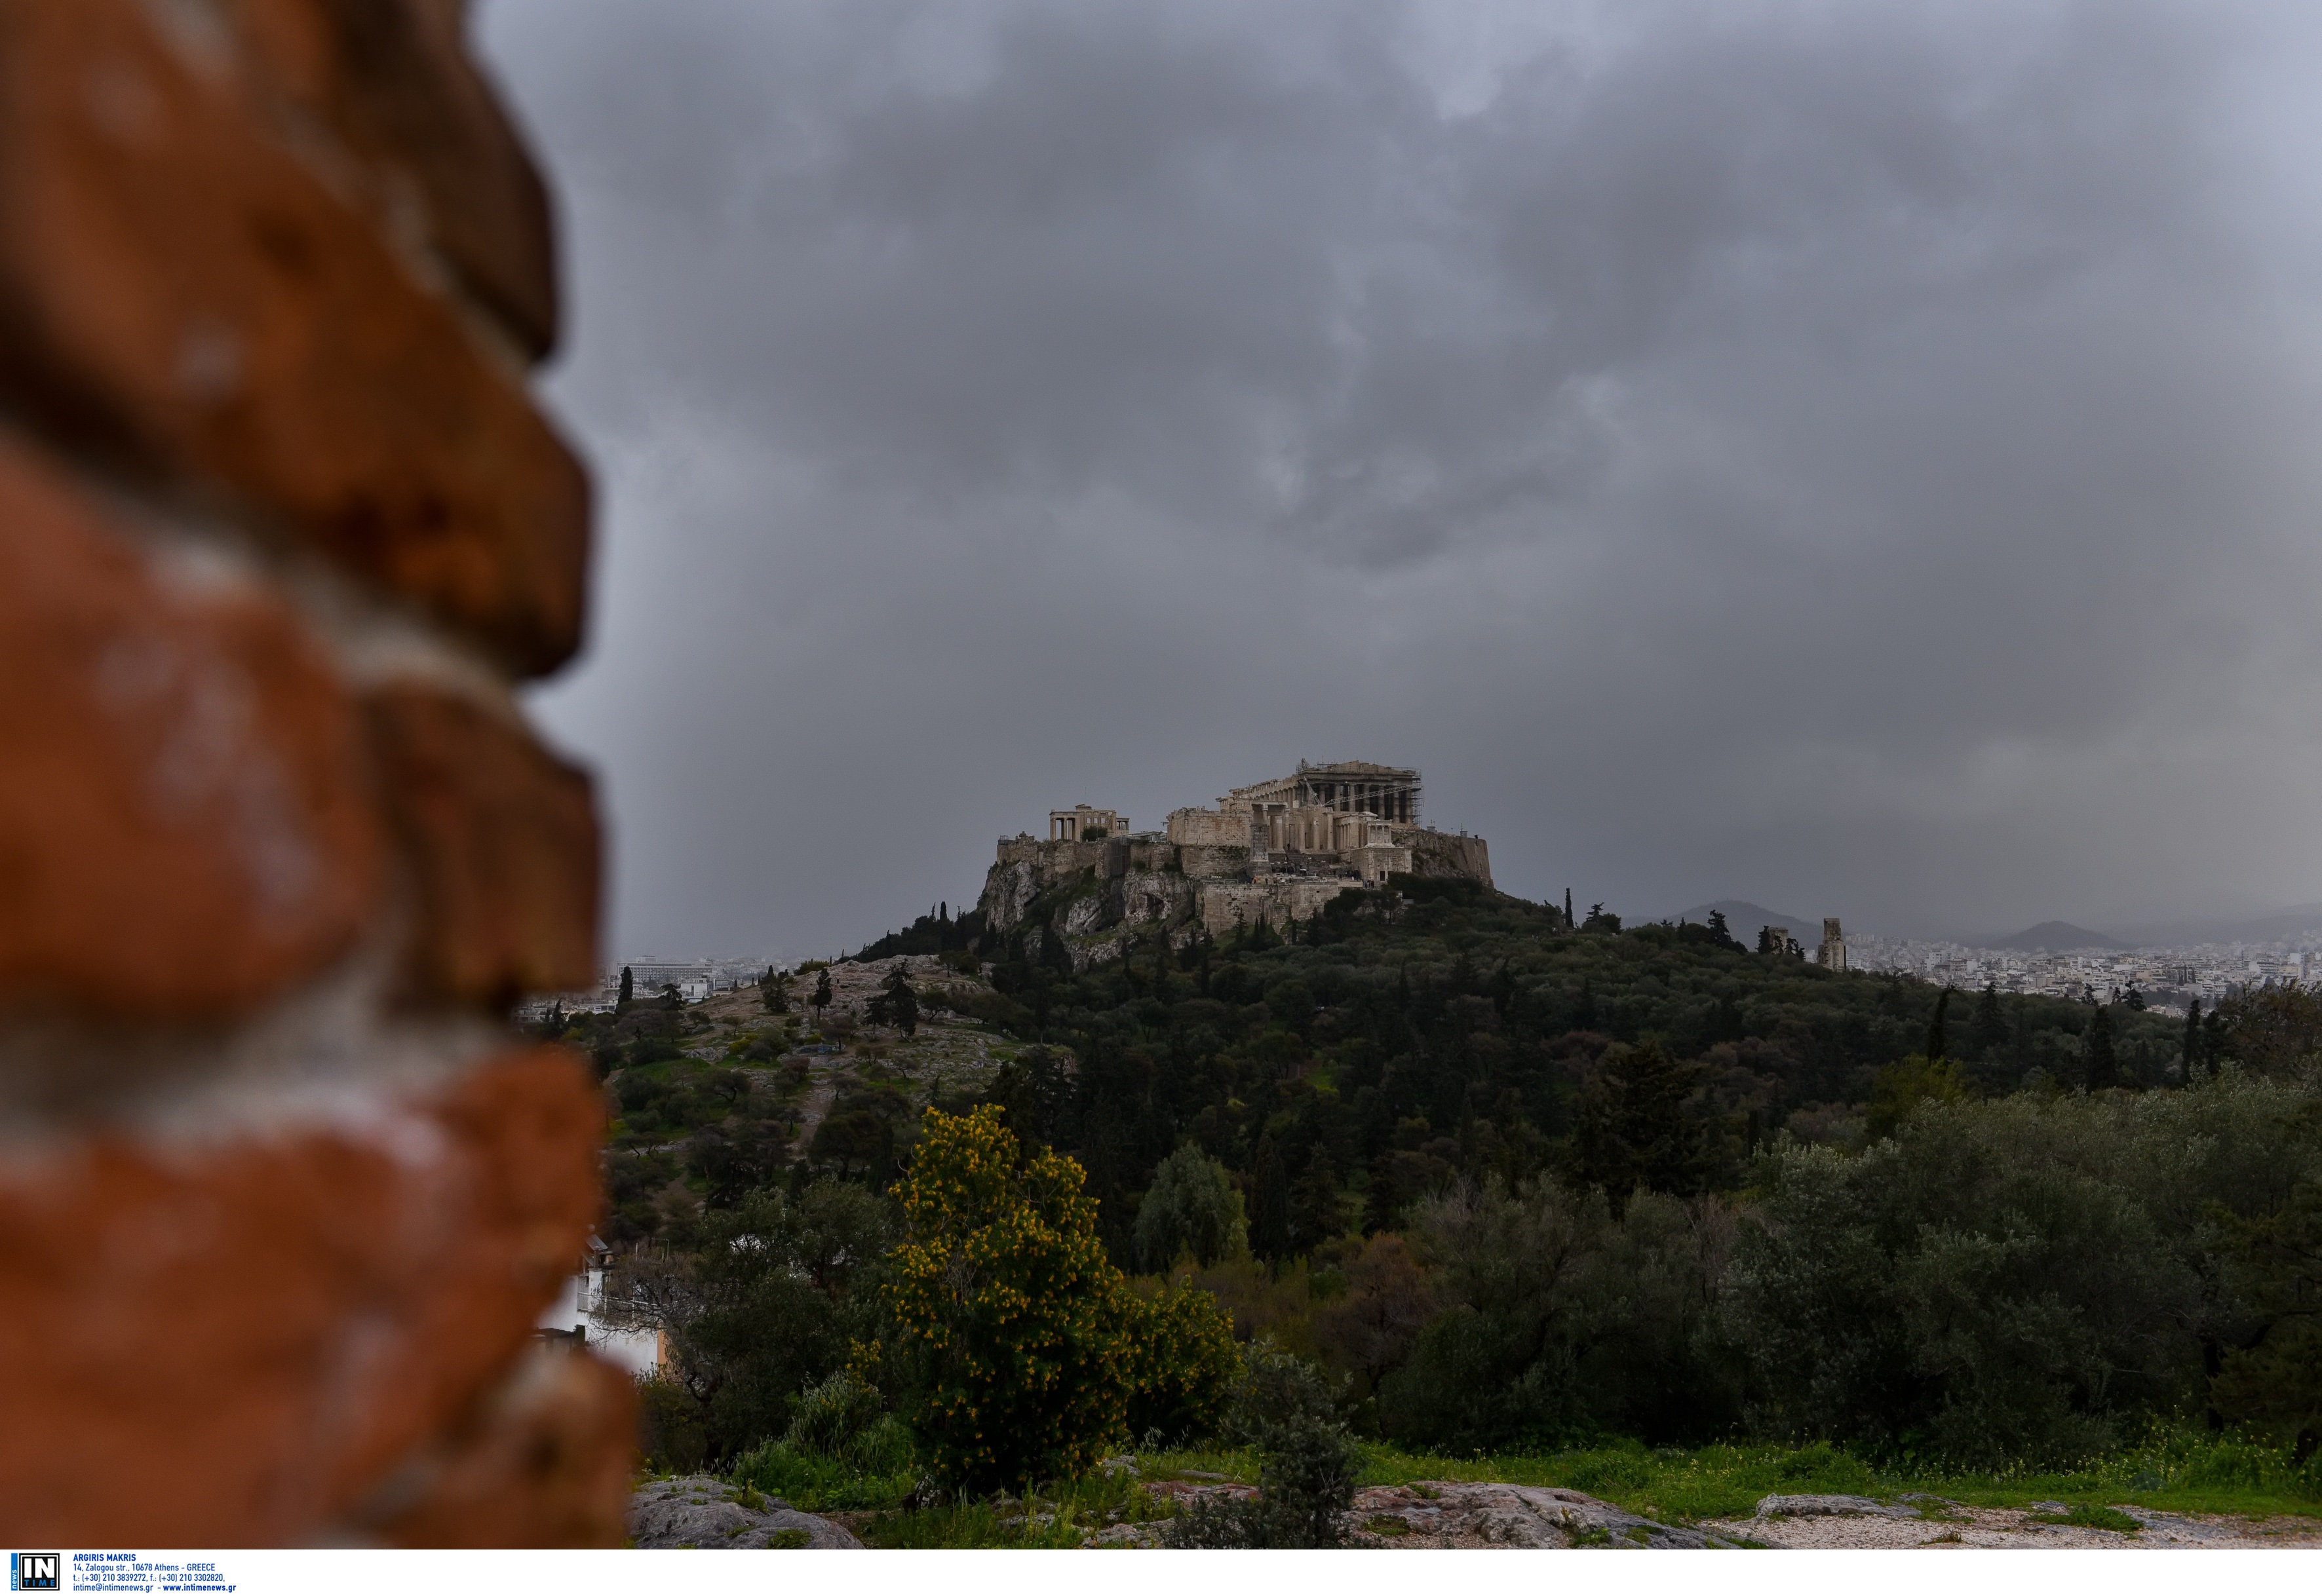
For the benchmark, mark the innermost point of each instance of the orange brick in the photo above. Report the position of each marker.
(393, 80)
(546, 1463)
(187, 823)
(180, 288)
(501, 841)
(235, 1342)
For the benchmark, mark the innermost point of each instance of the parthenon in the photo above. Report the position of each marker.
(1350, 810)
(1353, 787)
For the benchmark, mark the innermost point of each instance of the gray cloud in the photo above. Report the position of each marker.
(1858, 457)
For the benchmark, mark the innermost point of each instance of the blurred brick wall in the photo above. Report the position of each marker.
(280, 527)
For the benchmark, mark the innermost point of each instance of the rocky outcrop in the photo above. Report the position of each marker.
(1445, 853)
(1460, 1513)
(1440, 1514)
(1100, 897)
(708, 1514)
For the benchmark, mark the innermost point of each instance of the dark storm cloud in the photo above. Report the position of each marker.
(1858, 457)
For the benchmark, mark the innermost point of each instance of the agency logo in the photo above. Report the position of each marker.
(33, 1570)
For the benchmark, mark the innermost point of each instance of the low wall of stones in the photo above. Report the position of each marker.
(283, 528)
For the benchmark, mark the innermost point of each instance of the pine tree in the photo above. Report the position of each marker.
(897, 1004)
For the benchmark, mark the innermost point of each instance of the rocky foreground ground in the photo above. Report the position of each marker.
(698, 1512)
(703, 1512)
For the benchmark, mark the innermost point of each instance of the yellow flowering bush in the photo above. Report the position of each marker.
(1184, 1364)
(1015, 1326)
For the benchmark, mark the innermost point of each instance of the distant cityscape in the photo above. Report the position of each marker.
(2167, 978)
(694, 978)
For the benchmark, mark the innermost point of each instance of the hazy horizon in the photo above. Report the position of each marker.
(1849, 457)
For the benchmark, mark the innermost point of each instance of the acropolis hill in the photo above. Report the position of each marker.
(1274, 851)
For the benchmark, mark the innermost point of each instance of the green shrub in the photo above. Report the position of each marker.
(842, 1450)
(1285, 1409)
(1191, 1207)
(672, 1437)
(2019, 1282)
(880, 1472)
(1566, 1323)
(1184, 1363)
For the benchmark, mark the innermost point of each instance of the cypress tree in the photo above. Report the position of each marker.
(629, 986)
(2192, 1035)
(1317, 1218)
(2104, 1068)
(1989, 1032)
(1269, 1223)
(1937, 1042)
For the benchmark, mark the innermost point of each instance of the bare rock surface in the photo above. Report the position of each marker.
(1440, 1514)
(707, 1513)
(1829, 1506)
(1934, 1523)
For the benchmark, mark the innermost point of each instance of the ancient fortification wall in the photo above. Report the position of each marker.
(1446, 853)
(282, 528)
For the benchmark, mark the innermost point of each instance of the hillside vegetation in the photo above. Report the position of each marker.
(1517, 1187)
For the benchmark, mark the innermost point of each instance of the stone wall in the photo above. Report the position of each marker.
(1445, 853)
(1210, 828)
(1280, 901)
(282, 528)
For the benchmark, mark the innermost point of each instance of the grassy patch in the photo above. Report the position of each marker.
(1057, 1516)
(2172, 1471)
(966, 1525)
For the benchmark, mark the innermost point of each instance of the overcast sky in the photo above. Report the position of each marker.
(1862, 458)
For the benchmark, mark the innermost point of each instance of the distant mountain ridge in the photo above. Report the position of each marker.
(2056, 936)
